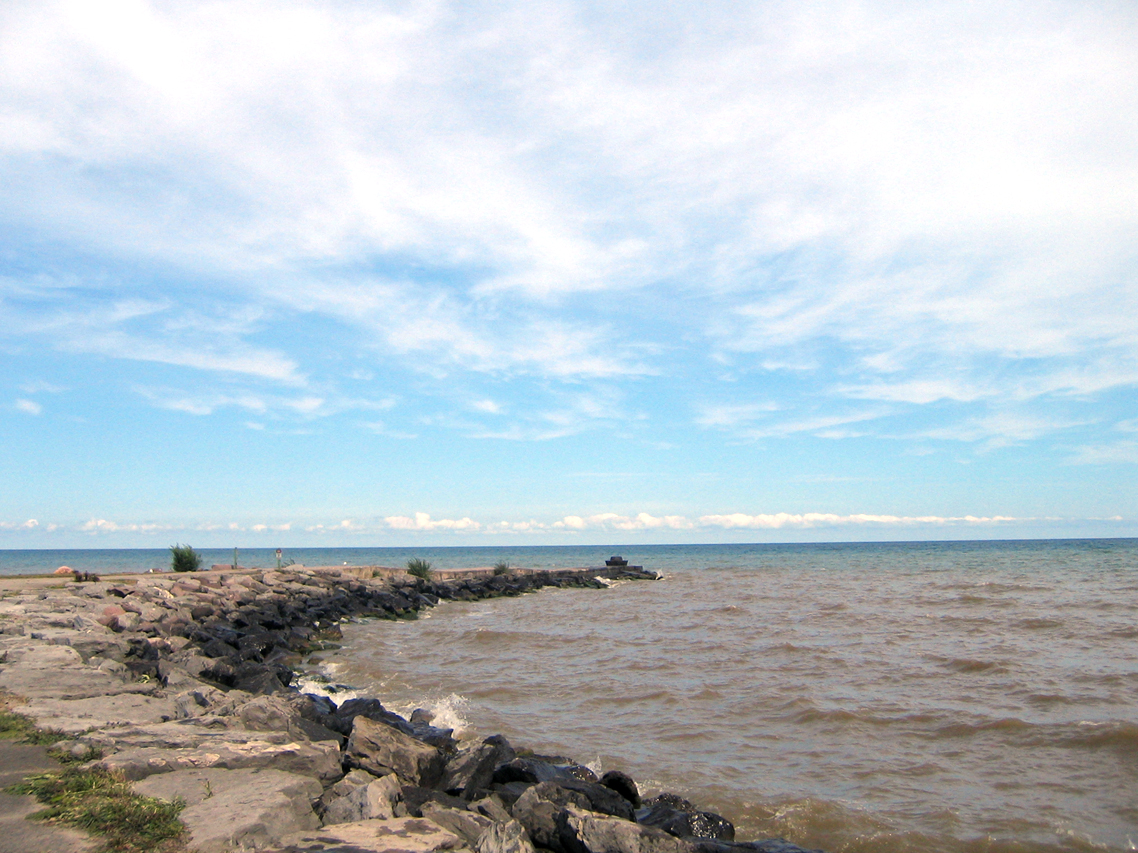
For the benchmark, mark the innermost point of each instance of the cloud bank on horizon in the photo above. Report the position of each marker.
(590, 268)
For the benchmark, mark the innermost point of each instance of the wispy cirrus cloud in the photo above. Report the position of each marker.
(713, 229)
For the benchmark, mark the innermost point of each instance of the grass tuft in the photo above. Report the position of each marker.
(14, 726)
(419, 568)
(103, 804)
(501, 568)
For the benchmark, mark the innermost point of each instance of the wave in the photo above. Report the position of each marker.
(1040, 623)
(969, 665)
(1114, 736)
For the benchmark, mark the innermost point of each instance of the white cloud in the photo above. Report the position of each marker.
(1116, 453)
(30, 524)
(29, 407)
(101, 525)
(924, 205)
(1003, 427)
(614, 521)
(348, 525)
(776, 521)
(423, 521)
(39, 387)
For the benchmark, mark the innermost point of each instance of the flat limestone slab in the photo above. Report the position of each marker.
(238, 809)
(321, 759)
(79, 715)
(398, 835)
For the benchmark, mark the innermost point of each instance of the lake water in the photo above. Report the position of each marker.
(965, 696)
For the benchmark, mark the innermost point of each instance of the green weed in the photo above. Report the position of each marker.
(103, 804)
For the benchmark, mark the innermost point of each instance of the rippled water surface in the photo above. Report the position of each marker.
(902, 697)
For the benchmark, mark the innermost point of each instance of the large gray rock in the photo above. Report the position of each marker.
(509, 837)
(376, 799)
(581, 831)
(399, 835)
(467, 825)
(471, 770)
(534, 770)
(687, 822)
(237, 809)
(380, 749)
(601, 798)
(538, 809)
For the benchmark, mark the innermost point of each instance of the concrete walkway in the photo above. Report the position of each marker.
(17, 833)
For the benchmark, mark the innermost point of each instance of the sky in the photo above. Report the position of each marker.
(390, 273)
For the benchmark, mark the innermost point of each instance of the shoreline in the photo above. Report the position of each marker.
(185, 684)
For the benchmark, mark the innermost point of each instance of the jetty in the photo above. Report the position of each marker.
(183, 686)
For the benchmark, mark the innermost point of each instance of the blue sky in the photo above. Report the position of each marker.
(367, 273)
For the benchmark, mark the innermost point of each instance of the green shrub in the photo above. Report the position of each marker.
(183, 558)
(501, 568)
(419, 568)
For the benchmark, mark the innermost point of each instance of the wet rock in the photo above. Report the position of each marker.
(682, 819)
(768, 845)
(601, 799)
(381, 749)
(624, 785)
(535, 770)
(345, 716)
(472, 769)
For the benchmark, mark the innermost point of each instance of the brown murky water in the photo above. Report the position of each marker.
(953, 697)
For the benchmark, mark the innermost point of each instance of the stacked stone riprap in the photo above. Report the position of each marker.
(184, 684)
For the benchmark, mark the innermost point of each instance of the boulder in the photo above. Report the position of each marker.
(472, 769)
(538, 809)
(624, 785)
(492, 808)
(581, 831)
(467, 825)
(237, 809)
(682, 819)
(414, 798)
(377, 799)
(381, 749)
(509, 837)
(601, 799)
(534, 770)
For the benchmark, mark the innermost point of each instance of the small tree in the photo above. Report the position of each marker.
(419, 568)
(183, 558)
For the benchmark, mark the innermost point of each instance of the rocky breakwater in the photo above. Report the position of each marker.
(183, 684)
